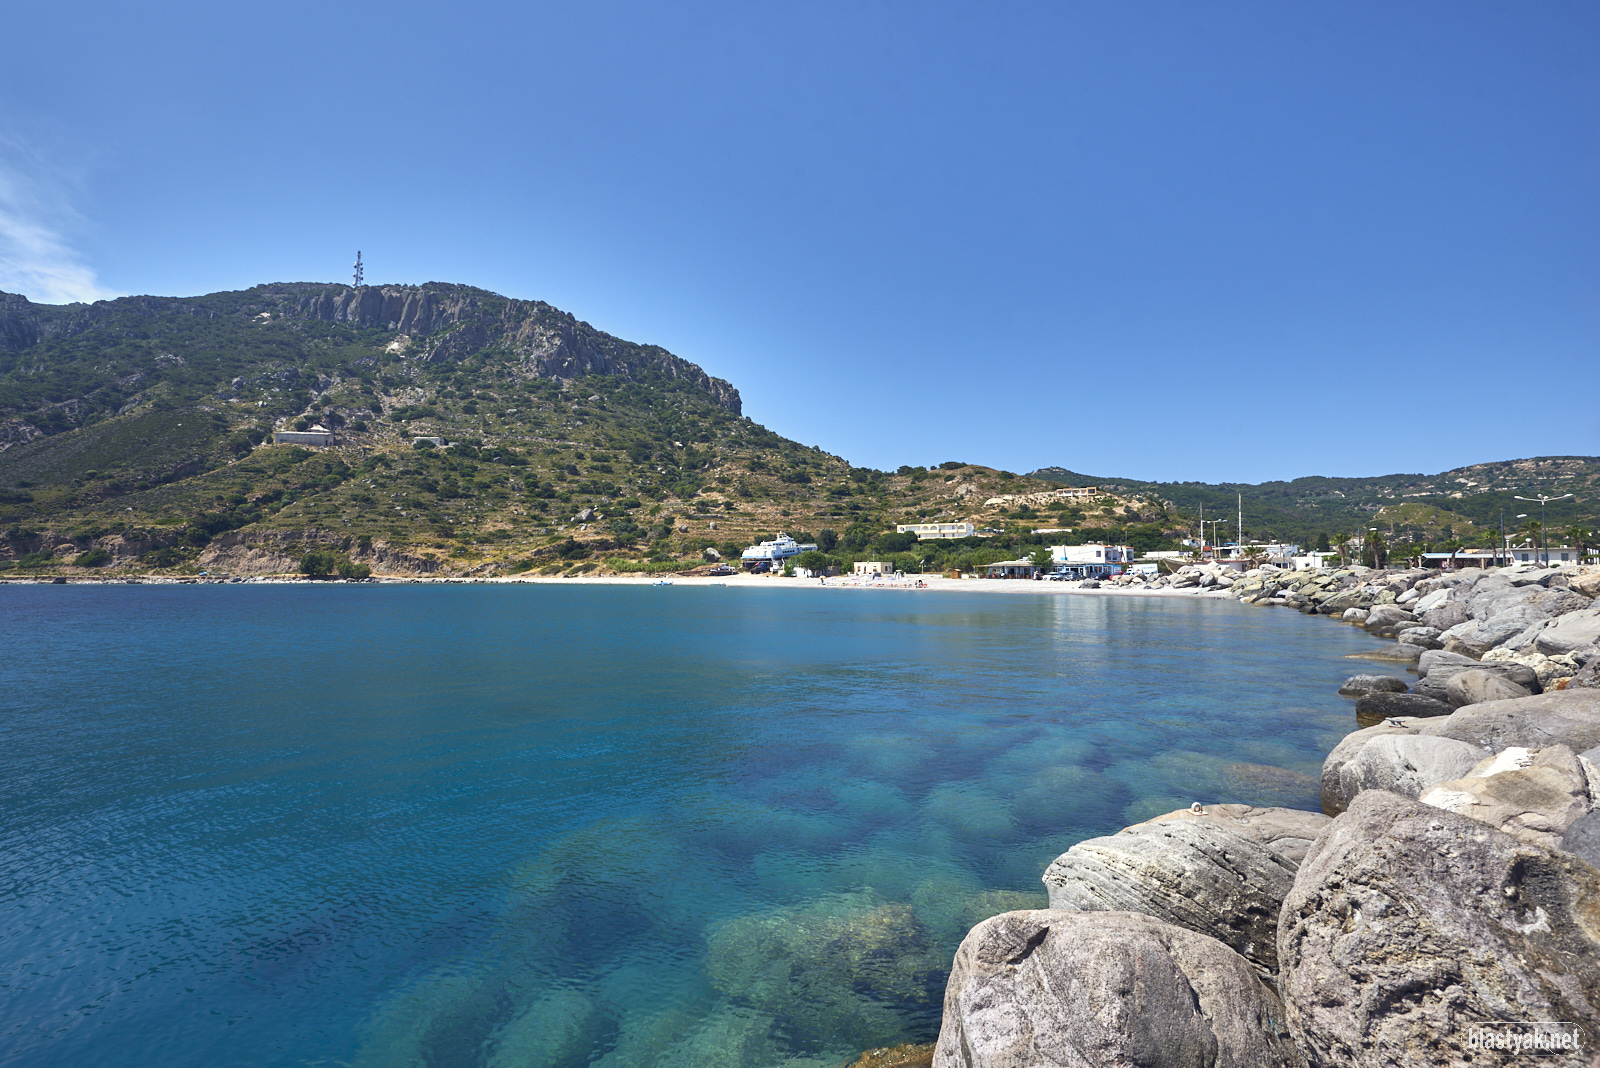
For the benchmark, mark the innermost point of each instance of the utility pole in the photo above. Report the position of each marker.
(1544, 531)
(1240, 541)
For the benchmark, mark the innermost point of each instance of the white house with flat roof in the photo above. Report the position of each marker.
(932, 531)
(1092, 553)
(316, 435)
(1556, 555)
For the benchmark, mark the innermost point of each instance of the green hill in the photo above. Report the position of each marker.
(144, 427)
(138, 433)
(1466, 501)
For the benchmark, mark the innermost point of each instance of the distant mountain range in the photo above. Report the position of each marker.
(1304, 507)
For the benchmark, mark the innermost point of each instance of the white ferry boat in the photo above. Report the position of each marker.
(770, 555)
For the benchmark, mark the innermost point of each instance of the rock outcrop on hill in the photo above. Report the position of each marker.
(441, 321)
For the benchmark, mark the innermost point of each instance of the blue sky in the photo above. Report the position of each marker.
(1159, 240)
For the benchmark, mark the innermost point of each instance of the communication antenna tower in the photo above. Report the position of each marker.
(359, 273)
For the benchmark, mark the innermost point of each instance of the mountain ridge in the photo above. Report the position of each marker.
(1294, 508)
(143, 426)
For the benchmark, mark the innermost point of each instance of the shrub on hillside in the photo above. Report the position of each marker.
(318, 563)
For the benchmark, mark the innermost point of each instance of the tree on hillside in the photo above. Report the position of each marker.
(318, 563)
(827, 539)
(856, 536)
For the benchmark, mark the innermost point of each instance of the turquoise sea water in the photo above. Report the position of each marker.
(553, 826)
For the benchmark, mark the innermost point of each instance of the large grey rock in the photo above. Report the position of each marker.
(1437, 682)
(1053, 989)
(1360, 685)
(1534, 794)
(1387, 621)
(1406, 764)
(1288, 832)
(1564, 717)
(1376, 707)
(1476, 685)
(1445, 616)
(1572, 631)
(1333, 795)
(1439, 658)
(1197, 874)
(1338, 602)
(1494, 594)
(1429, 601)
(1407, 923)
(1583, 838)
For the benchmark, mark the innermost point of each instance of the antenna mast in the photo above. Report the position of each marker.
(359, 273)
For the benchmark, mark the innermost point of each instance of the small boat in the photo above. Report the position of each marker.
(662, 582)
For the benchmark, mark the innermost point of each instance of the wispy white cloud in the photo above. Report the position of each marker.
(37, 258)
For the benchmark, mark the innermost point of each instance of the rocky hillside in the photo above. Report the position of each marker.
(137, 433)
(1419, 506)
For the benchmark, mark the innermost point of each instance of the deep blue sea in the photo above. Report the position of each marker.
(548, 826)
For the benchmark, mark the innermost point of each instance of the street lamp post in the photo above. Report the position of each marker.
(1544, 532)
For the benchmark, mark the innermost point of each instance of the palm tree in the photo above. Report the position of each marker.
(1455, 546)
(1342, 543)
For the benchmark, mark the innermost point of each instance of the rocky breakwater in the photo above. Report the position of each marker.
(1443, 909)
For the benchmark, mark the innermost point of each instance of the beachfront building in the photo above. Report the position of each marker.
(1464, 558)
(1093, 553)
(932, 531)
(317, 435)
(1011, 569)
(873, 567)
(1556, 555)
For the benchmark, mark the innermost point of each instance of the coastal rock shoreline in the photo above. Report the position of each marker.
(1448, 897)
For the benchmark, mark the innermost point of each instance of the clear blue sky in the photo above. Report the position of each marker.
(1094, 235)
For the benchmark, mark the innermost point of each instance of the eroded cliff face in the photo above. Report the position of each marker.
(451, 324)
(19, 322)
(444, 322)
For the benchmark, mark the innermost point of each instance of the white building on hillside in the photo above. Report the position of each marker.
(316, 435)
(931, 531)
